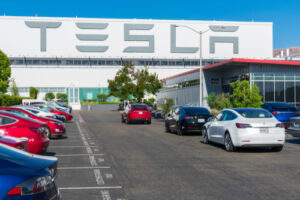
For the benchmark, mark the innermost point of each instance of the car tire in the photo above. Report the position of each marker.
(167, 128)
(149, 122)
(205, 139)
(228, 143)
(48, 132)
(179, 131)
(277, 149)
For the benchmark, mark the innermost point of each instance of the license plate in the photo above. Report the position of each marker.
(201, 120)
(140, 113)
(264, 130)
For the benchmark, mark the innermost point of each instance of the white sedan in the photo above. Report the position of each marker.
(244, 127)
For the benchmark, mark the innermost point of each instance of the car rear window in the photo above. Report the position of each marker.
(254, 113)
(139, 107)
(196, 111)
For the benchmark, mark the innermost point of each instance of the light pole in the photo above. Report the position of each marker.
(200, 33)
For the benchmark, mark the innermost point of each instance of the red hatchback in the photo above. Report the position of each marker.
(22, 127)
(136, 113)
(47, 108)
(54, 128)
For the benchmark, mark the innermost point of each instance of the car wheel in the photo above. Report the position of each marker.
(149, 122)
(179, 131)
(228, 143)
(205, 136)
(167, 128)
(48, 132)
(277, 149)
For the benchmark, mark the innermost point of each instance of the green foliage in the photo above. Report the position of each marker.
(33, 92)
(243, 96)
(49, 96)
(102, 97)
(130, 82)
(61, 96)
(14, 88)
(7, 100)
(5, 72)
(149, 101)
(167, 105)
(218, 102)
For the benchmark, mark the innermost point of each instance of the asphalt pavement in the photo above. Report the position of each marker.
(102, 158)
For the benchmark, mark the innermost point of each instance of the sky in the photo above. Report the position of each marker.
(285, 14)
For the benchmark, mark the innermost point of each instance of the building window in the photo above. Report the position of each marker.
(214, 81)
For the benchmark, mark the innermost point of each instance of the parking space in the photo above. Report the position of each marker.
(102, 158)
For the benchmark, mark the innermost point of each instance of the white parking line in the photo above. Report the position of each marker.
(98, 176)
(91, 188)
(105, 195)
(93, 161)
(66, 155)
(100, 167)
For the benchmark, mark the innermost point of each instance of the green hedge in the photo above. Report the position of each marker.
(7, 100)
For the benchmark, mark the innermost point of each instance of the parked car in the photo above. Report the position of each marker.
(38, 112)
(183, 119)
(281, 111)
(59, 106)
(159, 114)
(245, 127)
(19, 143)
(31, 102)
(21, 127)
(63, 105)
(297, 112)
(48, 108)
(294, 127)
(53, 128)
(136, 113)
(26, 176)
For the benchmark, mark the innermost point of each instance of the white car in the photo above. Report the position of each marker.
(244, 127)
(38, 112)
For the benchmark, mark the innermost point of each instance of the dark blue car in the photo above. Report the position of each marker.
(281, 111)
(25, 176)
(183, 119)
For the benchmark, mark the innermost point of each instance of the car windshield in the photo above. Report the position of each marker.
(253, 113)
(139, 107)
(196, 111)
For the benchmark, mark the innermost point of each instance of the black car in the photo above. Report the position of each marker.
(184, 119)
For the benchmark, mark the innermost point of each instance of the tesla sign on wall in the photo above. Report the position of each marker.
(133, 38)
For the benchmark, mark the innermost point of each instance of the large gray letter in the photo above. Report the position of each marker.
(213, 40)
(91, 37)
(145, 38)
(174, 48)
(43, 26)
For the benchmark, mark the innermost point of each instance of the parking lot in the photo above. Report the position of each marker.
(101, 158)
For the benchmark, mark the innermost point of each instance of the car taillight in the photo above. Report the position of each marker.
(275, 112)
(188, 117)
(297, 112)
(280, 125)
(239, 125)
(31, 186)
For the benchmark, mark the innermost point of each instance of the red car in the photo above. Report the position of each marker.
(20, 127)
(136, 113)
(51, 109)
(54, 128)
(19, 143)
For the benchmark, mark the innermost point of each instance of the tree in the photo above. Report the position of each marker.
(49, 96)
(218, 102)
(244, 96)
(61, 96)
(167, 105)
(102, 97)
(14, 88)
(145, 82)
(129, 82)
(122, 86)
(33, 92)
(5, 72)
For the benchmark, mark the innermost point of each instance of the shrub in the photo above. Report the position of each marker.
(33, 92)
(7, 100)
(49, 96)
(167, 105)
(61, 96)
(102, 97)
(218, 102)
